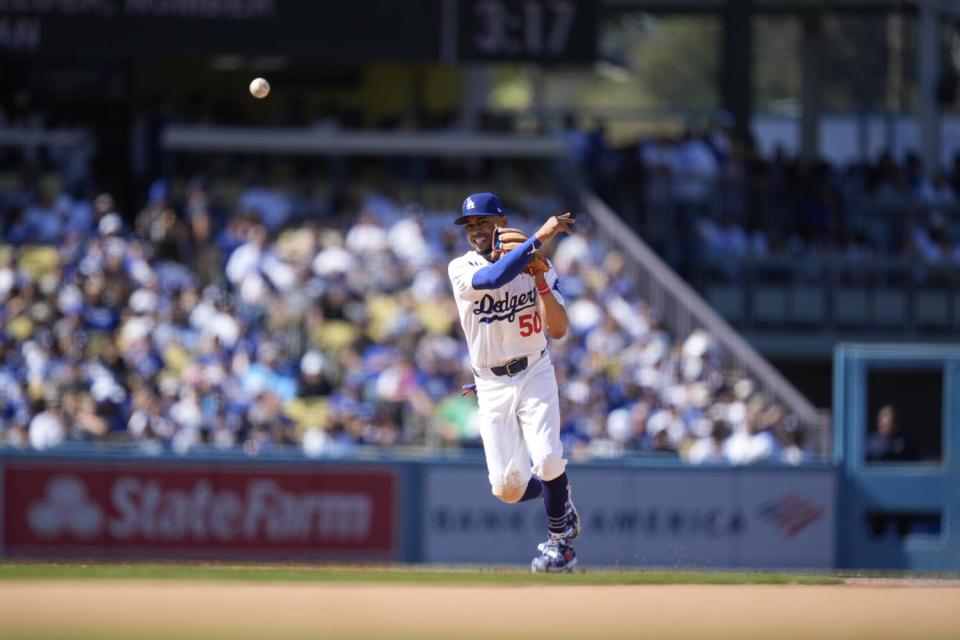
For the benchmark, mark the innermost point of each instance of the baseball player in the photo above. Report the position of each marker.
(509, 300)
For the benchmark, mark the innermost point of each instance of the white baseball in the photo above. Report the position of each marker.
(259, 88)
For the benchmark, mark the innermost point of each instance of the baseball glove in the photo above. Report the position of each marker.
(507, 239)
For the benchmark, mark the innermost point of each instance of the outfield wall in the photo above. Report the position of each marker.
(436, 511)
(645, 516)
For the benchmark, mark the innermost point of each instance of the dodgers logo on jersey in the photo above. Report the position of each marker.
(505, 308)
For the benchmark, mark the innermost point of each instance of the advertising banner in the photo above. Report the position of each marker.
(790, 518)
(131, 509)
(643, 517)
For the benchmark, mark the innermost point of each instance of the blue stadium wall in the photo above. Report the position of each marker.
(897, 514)
(436, 511)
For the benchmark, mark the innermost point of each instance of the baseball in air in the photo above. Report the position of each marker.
(259, 88)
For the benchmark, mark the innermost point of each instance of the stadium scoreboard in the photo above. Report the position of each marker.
(443, 31)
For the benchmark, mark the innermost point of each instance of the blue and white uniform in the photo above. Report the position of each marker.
(519, 409)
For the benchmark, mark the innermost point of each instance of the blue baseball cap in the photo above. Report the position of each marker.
(481, 204)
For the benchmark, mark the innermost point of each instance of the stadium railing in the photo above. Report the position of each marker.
(33, 138)
(306, 141)
(684, 310)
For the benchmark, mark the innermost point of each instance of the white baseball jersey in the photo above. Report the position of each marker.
(519, 415)
(500, 324)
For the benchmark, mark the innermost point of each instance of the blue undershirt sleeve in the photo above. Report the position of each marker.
(506, 268)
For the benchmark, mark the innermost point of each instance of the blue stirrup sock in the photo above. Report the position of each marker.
(555, 493)
(533, 491)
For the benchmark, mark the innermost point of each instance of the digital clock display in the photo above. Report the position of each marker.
(541, 30)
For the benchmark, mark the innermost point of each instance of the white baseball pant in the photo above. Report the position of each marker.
(520, 427)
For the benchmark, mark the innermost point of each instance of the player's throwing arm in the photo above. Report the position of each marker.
(554, 315)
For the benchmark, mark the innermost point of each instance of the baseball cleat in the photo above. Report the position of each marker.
(558, 556)
(573, 518)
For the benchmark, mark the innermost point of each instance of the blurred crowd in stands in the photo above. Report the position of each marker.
(245, 323)
(706, 197)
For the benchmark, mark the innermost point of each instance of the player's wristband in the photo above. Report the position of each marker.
(543, 290)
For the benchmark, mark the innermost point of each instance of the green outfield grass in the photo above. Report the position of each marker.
(427, 575)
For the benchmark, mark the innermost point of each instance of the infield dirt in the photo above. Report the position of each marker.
(183, 609)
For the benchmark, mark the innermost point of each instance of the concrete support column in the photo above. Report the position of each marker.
(735, 71)
(811, 45)
(476, 83)
(539, 106)
(928, 73)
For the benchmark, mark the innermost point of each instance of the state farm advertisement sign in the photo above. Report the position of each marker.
(170, 511)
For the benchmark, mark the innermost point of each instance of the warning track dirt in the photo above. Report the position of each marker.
(41, 601)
